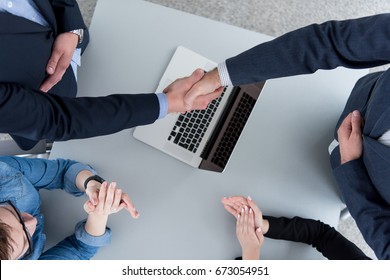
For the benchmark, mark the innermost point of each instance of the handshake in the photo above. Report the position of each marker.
(194, 92)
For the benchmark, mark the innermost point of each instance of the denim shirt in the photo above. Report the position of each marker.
(20, 182)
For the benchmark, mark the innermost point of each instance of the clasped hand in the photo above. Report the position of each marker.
(108, 199)
(350, 137)
(192, 93)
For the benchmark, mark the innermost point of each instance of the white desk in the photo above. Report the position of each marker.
(281, 159)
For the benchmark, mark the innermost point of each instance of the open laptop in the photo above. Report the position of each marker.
(204, 139)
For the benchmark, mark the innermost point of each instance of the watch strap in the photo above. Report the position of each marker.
(79, 33)
(96, 178)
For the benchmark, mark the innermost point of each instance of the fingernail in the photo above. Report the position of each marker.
(50, 70)
(250, 210)
(249, 198)
(355, 113)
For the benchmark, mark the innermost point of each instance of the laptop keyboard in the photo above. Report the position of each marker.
(233, 130)
(190, 127)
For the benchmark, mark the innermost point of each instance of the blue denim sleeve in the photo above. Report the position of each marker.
(49, 174)
(79, 246)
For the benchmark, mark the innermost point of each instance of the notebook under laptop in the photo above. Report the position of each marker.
(206, 138)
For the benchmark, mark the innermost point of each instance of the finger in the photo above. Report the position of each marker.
(117, 201)
(254, 206)
(126, 200)
(88, 207)
(93, 197)
(246, 219)
(109, 197)
(346, 127)
(356, 122)
(102, 196)
(239, 224)
(193, 93)
(260, 236)
(57, 75)
(195, 77)
(201, 102)
(234, 205)
(251, 219)
(53, 61)
(231, 210)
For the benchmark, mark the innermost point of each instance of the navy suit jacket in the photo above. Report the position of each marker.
(29, 115)
(357, 43)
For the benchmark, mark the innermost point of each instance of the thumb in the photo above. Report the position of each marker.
(89, 207)
(260, 235)
(94, 198)
(196, 76)
(356, 122)
(52, 63)
(254, 206)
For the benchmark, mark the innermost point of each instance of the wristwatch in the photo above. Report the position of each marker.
(96, 178)
(80, 33)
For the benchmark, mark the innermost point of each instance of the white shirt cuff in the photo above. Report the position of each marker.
(224, 74)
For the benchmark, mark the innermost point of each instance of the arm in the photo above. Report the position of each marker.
(324, 238)
(51, 174)
(321, 236)
(357, 43)
(366, 206)
(61, 118)
(68, 17)
(91, 234)
(42, 116)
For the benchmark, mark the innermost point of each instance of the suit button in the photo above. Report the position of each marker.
(9, 4)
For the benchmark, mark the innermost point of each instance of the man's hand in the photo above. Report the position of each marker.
(350, 137)
(250, 238)
(177, 94)
(95, 195)
(63, 49)
(210, 84)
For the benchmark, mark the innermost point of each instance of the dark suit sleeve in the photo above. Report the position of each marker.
(371, 212)
(68, 15)
(36, 116)
(324, 238)
(358, 43)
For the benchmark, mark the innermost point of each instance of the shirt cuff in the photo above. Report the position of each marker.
(95, 241)
(163, 101)
(224, 74)
(70, 177)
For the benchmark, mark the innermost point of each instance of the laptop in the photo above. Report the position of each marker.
(204, 139)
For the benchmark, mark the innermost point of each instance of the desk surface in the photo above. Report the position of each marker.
(281, 160)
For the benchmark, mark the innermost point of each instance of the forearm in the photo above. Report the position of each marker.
(49, 174)
(325, 46)
(251, 254)
(79, 246)
(321, 236)
(45, 116)
(366, 206)
(96, 224)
